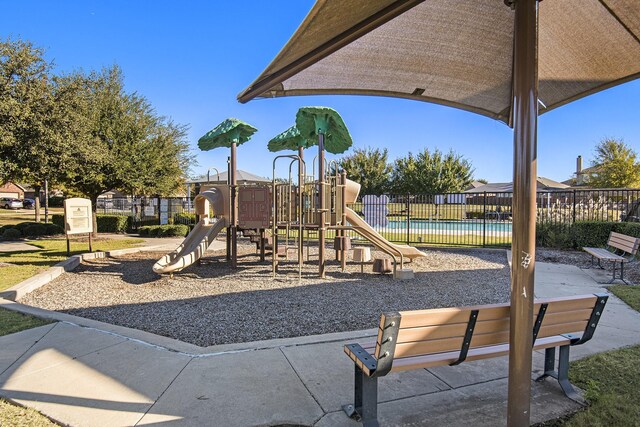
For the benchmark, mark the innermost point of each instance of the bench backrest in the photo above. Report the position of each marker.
(441, 330)
(624, 243)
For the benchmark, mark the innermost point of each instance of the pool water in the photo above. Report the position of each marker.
(475, 226)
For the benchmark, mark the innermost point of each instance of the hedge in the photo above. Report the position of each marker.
(106, 223)
(11, 234)
(177, 230)
(582, 233)
(184, 218)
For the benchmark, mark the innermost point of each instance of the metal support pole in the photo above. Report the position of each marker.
(321, 207)
(234, 207)
(525, 121)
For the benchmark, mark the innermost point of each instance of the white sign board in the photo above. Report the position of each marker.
(149, 211)
(77, 216)
(164, 205)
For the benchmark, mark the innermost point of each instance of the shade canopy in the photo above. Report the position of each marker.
(226, 133)
(311, 121)
(290, 139)
(405, 48)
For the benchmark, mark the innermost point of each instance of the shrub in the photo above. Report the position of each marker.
(58, 220)
(11, 234)
(112, 223)
(629, 228)
(184, 218)
(35, 230)
(592, 233)
(106, 223)
(53, 229)
(22, 225)
(177, 230)
(4, 227)
(56, 201)
(554, 235)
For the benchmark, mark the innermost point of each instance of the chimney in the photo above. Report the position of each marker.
(579, 179)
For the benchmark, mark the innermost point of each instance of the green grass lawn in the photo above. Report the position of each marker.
(11, 217)
(11, 322)
(24, 264)
(611, 381)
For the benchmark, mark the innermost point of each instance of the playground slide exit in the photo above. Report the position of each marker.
(378, 240)
(196, 243)
(193, 247)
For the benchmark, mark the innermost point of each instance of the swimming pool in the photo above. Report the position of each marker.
(478, 226)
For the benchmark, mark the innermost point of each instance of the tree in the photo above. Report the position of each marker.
(369, 168)
(33, 117)
(615, 165)
(431, 173)
(123, 144)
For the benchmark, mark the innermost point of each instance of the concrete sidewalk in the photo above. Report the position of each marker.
(86, 373)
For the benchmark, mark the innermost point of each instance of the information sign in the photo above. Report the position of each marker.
(77, 216)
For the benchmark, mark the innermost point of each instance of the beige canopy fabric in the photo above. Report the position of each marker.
(457, 53)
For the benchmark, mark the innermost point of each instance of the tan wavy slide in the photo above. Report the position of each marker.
(203, 234)
(377, 240)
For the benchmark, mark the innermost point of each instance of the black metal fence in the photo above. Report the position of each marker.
(467, 219)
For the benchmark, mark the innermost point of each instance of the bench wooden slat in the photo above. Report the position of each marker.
(626, 243)
(431, 360)
(562, 316)
(441, 316)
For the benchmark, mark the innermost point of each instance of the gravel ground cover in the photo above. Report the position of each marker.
(583, 260)
(213, 304)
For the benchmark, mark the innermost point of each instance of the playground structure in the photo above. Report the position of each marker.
(269, 215)
(281, 219)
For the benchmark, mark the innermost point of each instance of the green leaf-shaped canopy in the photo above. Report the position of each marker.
(312, 120)
(226, 133)
(290, 139)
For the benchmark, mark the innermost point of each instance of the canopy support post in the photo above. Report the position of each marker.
(525, 120)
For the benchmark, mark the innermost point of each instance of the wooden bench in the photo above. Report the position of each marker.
(620, 249)
(449, 336)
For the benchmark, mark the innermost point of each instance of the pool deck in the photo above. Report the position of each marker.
(86, 373)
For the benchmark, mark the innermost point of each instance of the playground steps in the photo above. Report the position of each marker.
(254, 237)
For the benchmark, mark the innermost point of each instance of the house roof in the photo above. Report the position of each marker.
(241, 177)
(543, 184)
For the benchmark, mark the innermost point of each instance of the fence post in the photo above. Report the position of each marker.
(408, 209)
(484, 221)
(574, 206)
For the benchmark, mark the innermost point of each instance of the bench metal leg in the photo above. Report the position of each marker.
(365, 406)
(549, 364)
(562, 375)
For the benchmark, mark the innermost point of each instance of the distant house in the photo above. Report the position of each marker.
(242, 177)
(543, 184)
(474, 184)
(11, 189)
(581, 178)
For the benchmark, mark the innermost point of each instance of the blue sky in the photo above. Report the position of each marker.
(191, 59)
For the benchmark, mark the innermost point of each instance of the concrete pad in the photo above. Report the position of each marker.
(63, 343)
(473, 372)
(112, 386)
(328, 374)
(477, 405)
(15, 345)
(6, 246)
(241, 389)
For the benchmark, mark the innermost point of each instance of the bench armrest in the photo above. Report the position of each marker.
(362, 358)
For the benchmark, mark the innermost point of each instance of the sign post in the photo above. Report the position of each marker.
(78, 219)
